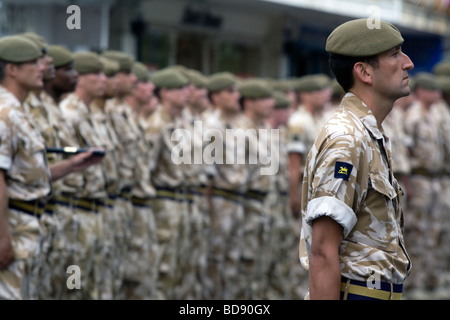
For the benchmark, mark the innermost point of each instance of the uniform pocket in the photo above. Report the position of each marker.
(382, 185)
(381, 202)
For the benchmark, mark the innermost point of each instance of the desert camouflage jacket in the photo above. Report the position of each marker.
(348, 177)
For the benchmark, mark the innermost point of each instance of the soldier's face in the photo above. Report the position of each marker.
(199, 98)
(66, 78)
(49, 71)
(390, 77)
(263, 108)
(127, 81)
(93, 84)
(143, 91)
(111, 86)
(30, 74)
(176, 97)
(229, 99)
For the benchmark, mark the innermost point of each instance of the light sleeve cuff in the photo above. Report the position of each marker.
(333, 208)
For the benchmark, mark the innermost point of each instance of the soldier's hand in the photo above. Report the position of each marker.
(83, 160)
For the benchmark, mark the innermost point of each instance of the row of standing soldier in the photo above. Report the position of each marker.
(140, 226)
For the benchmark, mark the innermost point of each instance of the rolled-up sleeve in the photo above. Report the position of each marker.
(333, 208)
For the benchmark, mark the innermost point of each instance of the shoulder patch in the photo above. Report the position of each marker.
(342, 170)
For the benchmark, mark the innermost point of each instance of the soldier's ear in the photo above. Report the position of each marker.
(11, 69)
(363, 72)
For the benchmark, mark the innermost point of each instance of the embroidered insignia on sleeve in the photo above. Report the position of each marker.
(342, 170)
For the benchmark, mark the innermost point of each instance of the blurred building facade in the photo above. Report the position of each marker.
(266, 38)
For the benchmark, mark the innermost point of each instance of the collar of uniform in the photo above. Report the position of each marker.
(33, 100)
(78, 104)
(360, 109)
(47, 98)
(6, 94)
(165, 116)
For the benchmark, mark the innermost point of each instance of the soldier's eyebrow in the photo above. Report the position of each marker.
(399, 47)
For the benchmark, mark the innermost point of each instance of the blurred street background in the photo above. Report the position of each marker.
(264, 38)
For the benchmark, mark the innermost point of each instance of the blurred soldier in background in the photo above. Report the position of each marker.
(91, 200)
(167, 176)
(257, 103)
(109, 264)
(426, 159)
(442, 111)
(65, 242)
(303, 127)
(139, 261)
(226, 184)
(66, 76)
(194, 251)
(394, 127)
(283, 241)
(119, 114)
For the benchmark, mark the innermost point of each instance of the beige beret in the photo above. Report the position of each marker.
(169, 79)
(284, 85)
(221, 81)
(312, 82)
(125, 60)
(281, 99)
(196, 78)
(444, 83)
(354, 38)
(38, 39)
(87, 62)
(110, 67)
(442, 68)
(17, 49)
(61, 56)
(141, 71)
(426, 80)
(255, 89)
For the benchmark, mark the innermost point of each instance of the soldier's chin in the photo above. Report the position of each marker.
(39, 85)
(405, 92)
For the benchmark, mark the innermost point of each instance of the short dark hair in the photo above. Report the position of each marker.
(342, 68)
(157, 92)
(3, 64)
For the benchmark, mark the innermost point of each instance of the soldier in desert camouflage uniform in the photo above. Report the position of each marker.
(442, 111)
(57, 133)
(140, 265)
(286, 276)
(257, 102)
(25, 178)
(167, 175)
(118, 113)
(225, 187)
(111, 227)
(303, 128)
(426, 155)
(193, 261)
(65, 241)
(92, 199)
(352, 221)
